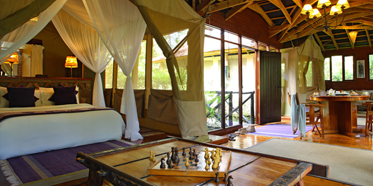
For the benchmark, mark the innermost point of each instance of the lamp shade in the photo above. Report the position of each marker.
(335, 10)
(71, 62)
(315, 13)
(343, 4)
(307, 8)
(353, 36)
(321, 3)
(13, 59)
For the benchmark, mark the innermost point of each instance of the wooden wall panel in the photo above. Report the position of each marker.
(360, 53)
(247, 23)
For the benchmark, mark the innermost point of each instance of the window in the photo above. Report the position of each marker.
(349, 67)
(327, 69)
(371, 66)
(231, 37)
(138, 71)
(309, 75)
(248, 42)
(336, 68)
(109, 74)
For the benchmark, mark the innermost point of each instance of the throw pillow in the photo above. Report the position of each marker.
(21, 97)
(63, 95)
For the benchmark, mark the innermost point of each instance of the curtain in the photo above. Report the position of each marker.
(20, 36)
(36, 60)
(17, 12)
(86, 44)
(164, 17)
(122, 30)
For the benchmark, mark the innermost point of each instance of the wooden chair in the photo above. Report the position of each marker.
(368, 118)
(315, 110)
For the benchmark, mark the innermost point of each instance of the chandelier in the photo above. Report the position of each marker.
(323, 4)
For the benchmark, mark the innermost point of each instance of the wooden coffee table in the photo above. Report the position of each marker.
(130, 165)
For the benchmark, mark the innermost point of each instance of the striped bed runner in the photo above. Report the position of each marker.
(52, 164)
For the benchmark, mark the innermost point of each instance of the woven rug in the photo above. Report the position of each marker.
(52, 167)
(277, 130)
(345, 164)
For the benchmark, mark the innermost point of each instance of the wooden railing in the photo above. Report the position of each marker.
(229, 100)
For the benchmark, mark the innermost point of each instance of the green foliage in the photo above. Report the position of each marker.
(337, 68)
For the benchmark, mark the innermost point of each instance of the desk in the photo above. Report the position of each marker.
(129, 165)
(340, 116)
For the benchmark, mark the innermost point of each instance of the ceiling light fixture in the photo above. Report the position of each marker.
(323, 4)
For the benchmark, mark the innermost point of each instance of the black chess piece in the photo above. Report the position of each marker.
(183, 154)
(177, 160)
(196, 160)
(216, 177)
(168, 155)
(169, 164)
(162, 164)
(225, 177)
(194, 152)
(168, 158)
(176, 151)
(190, 151)
(173, 154)
(230, 181)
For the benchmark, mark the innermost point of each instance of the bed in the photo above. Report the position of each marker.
(45, 126)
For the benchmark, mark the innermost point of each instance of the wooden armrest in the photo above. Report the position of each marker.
(368, 103)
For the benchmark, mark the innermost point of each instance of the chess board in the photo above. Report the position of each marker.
(194, 169)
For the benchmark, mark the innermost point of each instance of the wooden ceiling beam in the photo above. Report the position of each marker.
(303, 17)
(281, 6)
(297, 18)
(318, 40)
(256, 8)
(330, 33)
(274, 30)
(235, 10)
(368, 36)
(226, 4)
(298, 3)
(203, 5)
(305, 29)
(278, 10)
(353, 27)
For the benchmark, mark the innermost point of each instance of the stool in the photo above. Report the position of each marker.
(368, 118)
(311, 114)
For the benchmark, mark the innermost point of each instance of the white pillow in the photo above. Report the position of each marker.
(46, 95)
(4, 103)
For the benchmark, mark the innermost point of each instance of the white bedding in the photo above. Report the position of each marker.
(38, 133)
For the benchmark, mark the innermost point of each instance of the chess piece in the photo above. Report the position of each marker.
(216, 177)
(225, 177)
(173, 154)
(162, 164)
(213, 154)
(194, 152)
(169, 164)
(196, 160)
(230, 181)
(206, 153)
(207, 156)
(151, 156)
(176, 151)
(183, 152)
(208, 161)
(215, 165)
(168, 158)
(177, 160)
(207, 166)
(187, 162)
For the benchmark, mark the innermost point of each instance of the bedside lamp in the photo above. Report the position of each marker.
(13, 59)
(71, 63)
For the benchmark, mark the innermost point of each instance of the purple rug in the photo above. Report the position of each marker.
(48, 164)
(278, 130)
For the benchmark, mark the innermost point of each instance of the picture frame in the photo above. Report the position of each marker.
(360, 68)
